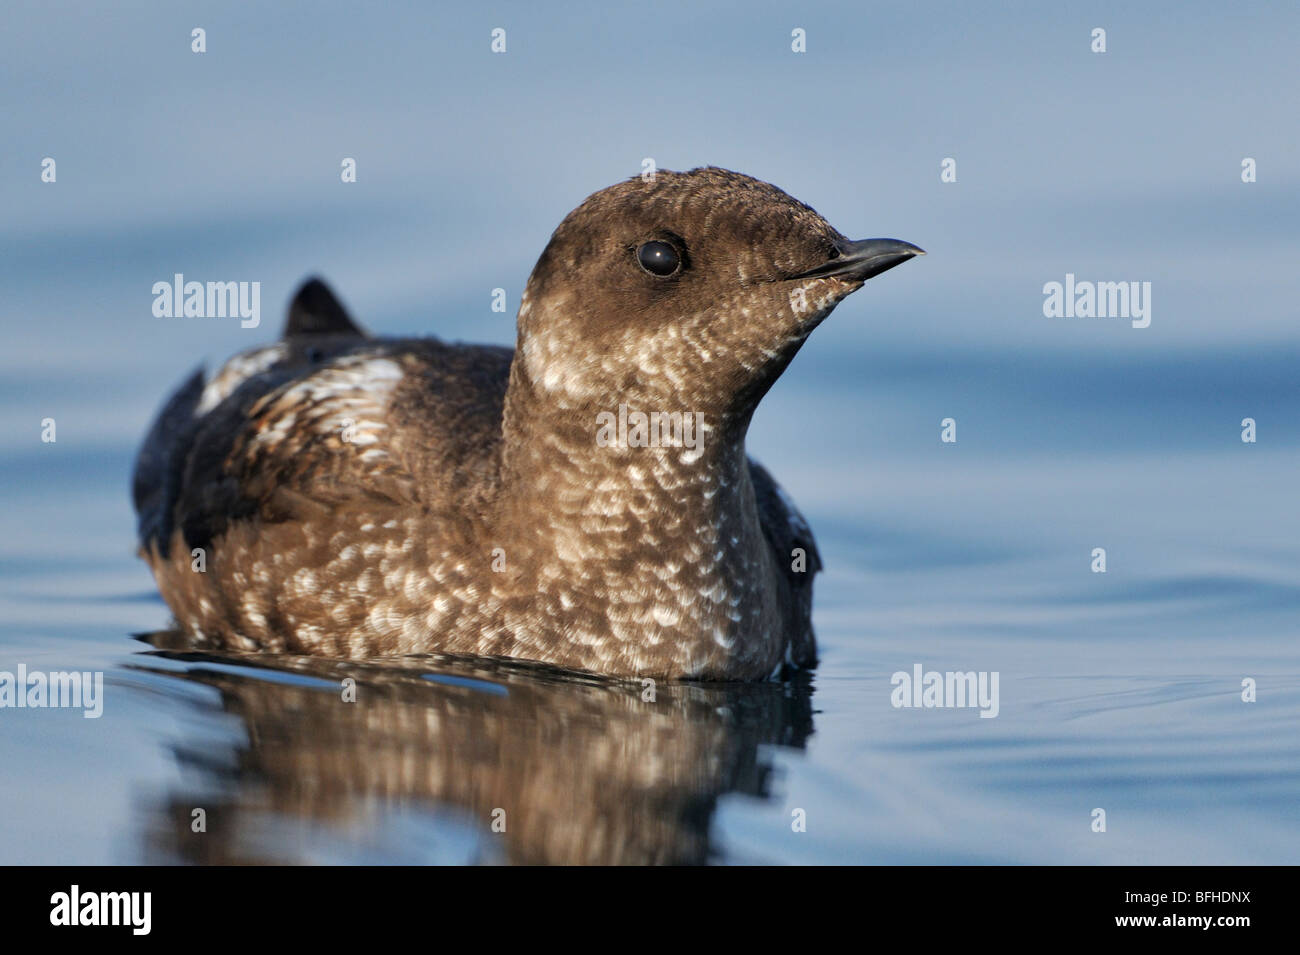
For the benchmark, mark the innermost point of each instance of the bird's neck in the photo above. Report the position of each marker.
(636, 481)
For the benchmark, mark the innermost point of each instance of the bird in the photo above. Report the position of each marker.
(583, 500)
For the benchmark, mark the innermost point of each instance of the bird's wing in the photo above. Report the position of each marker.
(293, 425)
(784, 527)
(298, 450)
(790, 538)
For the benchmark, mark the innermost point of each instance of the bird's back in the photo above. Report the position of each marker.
(326, 416)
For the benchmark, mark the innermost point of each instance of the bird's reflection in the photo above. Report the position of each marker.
(575, 770)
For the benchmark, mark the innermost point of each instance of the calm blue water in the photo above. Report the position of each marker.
(1119, 690)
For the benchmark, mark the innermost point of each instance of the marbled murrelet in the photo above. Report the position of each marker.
(358, 497)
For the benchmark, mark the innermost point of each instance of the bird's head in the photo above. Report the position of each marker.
(691, 290)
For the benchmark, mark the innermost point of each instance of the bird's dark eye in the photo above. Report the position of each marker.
(658, 258)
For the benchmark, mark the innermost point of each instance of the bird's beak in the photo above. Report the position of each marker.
(860, 260)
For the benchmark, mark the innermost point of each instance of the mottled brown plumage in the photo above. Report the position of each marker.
(360, 497)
